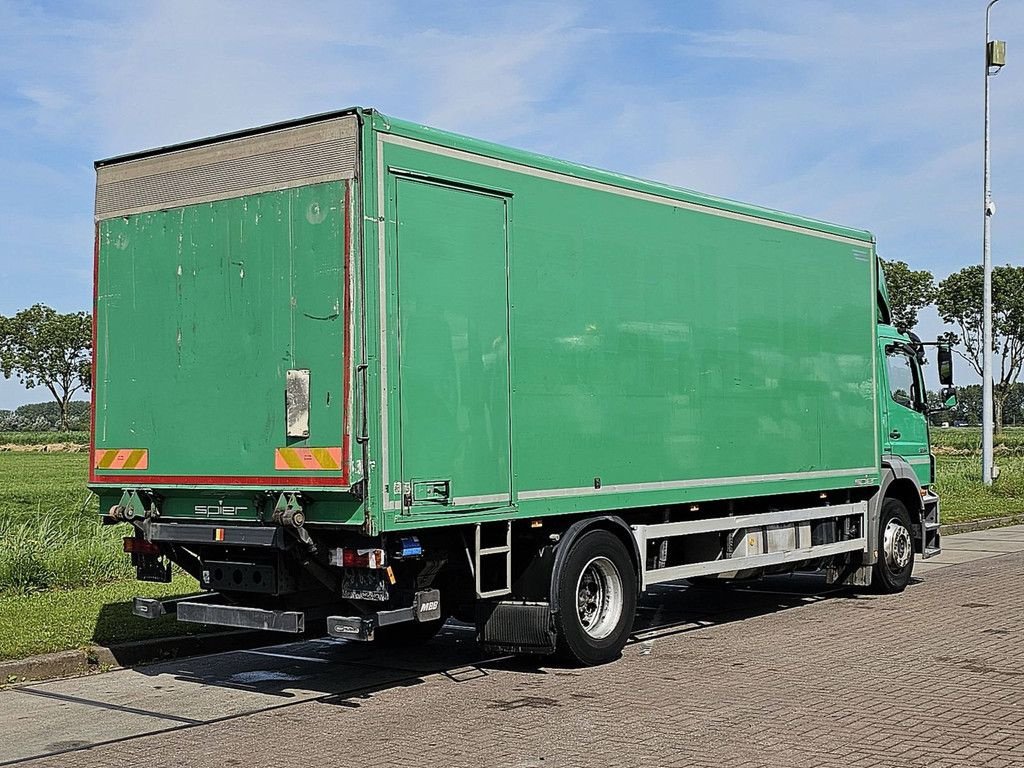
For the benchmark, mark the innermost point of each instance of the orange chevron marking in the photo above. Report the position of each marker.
(121, 458)
(307, 458)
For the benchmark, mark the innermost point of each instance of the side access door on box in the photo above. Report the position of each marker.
(451, 246)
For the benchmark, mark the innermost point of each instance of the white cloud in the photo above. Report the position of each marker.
(868, 114)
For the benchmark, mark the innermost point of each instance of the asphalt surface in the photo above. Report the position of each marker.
(785, 672)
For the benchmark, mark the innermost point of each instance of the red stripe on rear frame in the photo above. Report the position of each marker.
(279, 481)
(95, 313)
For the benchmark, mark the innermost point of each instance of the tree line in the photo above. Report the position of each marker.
(45, 417)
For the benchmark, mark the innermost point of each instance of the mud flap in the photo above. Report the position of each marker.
(516, 627)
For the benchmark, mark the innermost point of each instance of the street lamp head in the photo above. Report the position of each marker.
(995, 54)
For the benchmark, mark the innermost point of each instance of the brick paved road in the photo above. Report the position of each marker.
(932, 677)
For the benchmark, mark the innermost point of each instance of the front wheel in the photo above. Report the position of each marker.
(895, 562)
(597, 593)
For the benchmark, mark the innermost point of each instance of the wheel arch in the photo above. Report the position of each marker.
(611, 523)
(900, 482)
(909, 494)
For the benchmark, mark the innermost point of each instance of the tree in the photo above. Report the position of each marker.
(910, 291)
(959, 300)
(968, 405)
(42, 347)
(1013, 409)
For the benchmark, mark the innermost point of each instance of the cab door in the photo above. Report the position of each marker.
(906, 428)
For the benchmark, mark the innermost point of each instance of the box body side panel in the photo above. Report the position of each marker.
(658, 353)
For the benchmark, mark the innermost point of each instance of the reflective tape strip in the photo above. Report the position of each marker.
(121, 458)
(307, 458)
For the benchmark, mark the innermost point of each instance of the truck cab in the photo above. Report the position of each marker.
(904, 443)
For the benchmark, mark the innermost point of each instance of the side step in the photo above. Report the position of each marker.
(931, 539)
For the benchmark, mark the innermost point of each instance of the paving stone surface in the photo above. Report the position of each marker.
(788, 673)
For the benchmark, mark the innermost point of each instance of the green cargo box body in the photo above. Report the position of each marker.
(538, 338)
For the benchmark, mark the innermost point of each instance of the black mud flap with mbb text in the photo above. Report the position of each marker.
(516, 627)
(426, 606)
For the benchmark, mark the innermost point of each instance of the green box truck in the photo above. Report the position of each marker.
(354, 370)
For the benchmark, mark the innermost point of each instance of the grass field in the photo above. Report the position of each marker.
(968, 440)
(58, 619)
(963, 495)
(49, 528)
(958, 470)
(43, 438)
(64, 580)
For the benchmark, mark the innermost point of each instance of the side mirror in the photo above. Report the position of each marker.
(948, 395)
(944, 355)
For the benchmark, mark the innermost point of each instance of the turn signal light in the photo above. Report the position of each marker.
(135, 546)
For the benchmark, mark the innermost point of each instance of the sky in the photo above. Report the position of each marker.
(864, 113)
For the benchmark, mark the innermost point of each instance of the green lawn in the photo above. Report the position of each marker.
(58, 620)
(64, 580)
(49, 528)
(958, 470)
(963, 495)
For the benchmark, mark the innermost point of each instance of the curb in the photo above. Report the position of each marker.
(99, 658)
(970, 526)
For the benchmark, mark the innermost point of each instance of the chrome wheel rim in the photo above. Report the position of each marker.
(897, 545)
(599, 597)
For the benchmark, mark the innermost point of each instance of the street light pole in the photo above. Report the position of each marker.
(987, 411)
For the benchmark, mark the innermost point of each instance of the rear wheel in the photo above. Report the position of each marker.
(597, 592)
(895, 564)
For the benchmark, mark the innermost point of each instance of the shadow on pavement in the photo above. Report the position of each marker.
(66, 715)
(344, 672)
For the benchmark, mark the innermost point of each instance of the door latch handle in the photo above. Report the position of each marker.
(895, 435)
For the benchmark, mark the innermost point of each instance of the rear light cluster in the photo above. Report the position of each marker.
(350, 557)
(136, 546)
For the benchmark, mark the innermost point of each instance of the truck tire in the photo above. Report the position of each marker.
(597, 593)
(895, 562)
